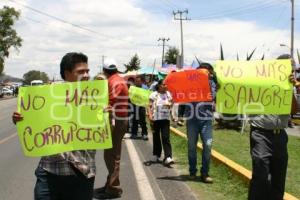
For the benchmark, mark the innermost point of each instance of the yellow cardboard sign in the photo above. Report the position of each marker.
(254, 87)
(139, 96)
(64, 117)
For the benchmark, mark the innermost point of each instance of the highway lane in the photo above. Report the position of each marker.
(17, 171)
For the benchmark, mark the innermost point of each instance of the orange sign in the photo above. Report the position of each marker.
(189, 86)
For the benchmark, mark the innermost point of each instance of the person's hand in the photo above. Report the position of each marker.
(218, 86)
(294, 81)
(16, 117)
(150, 118)
(108, 109)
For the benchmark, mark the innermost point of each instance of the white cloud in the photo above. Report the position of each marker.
(124, 29)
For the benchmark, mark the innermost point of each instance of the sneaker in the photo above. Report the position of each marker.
(99, 190)
(155, 159)
(192, 177)
(133, 137)
(106, 195)
(145, 137)
(180, 123)
(206, 179)
(169, 161)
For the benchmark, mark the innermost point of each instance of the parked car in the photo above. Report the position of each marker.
(6, 91)
(1, 93)
(36, 82)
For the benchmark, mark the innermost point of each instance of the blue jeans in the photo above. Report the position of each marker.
(53, 187)
(194, 128)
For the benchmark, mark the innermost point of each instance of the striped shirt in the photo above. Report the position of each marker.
(63, 164)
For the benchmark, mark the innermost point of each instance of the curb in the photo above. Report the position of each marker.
(239, 170)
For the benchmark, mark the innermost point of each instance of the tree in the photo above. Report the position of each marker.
(35, 75)
(8, 36)
(171, 55)
(134, 63)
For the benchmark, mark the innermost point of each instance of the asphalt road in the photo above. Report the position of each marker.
(138, 181)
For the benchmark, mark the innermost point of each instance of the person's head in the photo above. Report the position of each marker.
(207, 66)
(161, 87)
(139, 81)
(130, 81)
(110, 67)
(100, 77)
(74, 67)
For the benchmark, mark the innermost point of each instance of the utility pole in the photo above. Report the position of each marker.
(292, 28)
(153, 70)
(164, 40)
(180, 13)
(101, 70)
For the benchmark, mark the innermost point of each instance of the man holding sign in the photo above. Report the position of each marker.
(268, 143)
(199, 122)
(262, 90)
(118, 101)
(139, 111)
(68, 175)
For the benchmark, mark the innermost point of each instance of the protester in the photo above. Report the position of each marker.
(139, 114)
(268, 147)
(17, 91)
(118, 100)
(130, 82)
(159, 114)
(68, 175)
(153, 83)
(295, 82)
(100, 77)
(199, 122)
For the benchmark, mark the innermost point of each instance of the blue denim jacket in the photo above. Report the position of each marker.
(202, 110)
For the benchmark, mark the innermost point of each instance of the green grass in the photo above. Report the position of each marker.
(235, 146)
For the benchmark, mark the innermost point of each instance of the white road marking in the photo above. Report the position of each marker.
(144, 186)
(8, 138)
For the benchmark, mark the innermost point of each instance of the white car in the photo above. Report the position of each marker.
(7, 91)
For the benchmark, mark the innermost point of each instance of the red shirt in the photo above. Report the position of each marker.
(118, 95)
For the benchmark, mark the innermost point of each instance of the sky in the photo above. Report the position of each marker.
(120, 28)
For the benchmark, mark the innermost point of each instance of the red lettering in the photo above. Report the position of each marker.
(75, 97)
(28, 103)
(27, 130)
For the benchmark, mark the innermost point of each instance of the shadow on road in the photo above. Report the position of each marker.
(181, 178)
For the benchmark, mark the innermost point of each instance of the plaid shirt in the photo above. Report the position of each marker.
(63, 164)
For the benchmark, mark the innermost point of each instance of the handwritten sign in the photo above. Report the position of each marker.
(139, 96)
(189, 86)
(254, 87)
(64, 117)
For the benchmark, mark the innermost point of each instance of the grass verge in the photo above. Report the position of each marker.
(235, 146)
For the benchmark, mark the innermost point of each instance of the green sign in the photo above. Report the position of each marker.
(139, 96)
(64, 117)
(254, 87)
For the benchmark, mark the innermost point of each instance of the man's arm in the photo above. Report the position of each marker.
(115, 92)
(296, 84)
(149, 110)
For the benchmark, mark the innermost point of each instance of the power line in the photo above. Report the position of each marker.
(164, 40)
(76, 25)
(46, 24)
(243, 11)
(241, 8)
(60, 20)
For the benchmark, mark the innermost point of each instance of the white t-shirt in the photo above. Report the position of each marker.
(161, 105)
